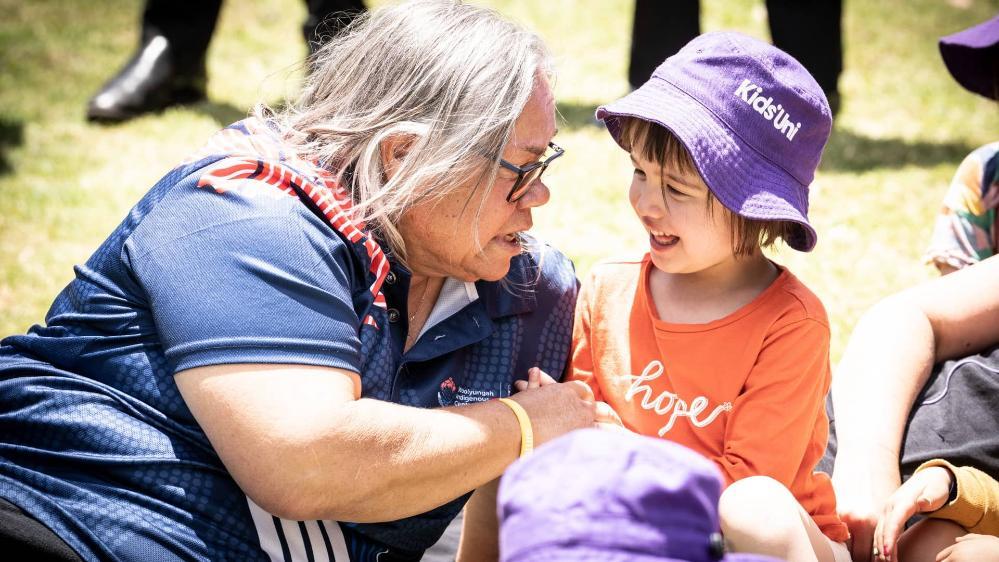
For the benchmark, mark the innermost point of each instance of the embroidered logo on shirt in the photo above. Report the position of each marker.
(450, 394)
(668, 403)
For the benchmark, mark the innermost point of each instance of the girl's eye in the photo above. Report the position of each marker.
(639, 173)
(673, 190)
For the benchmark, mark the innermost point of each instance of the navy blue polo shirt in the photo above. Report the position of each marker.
(233, 258)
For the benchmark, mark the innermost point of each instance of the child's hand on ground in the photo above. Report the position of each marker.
(926, 491)
(971, 548)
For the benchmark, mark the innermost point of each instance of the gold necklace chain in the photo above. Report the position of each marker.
(419, 304)
(412, 336)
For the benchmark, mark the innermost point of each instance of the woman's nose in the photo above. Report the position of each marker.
(537, 195)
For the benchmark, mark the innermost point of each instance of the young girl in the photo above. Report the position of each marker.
(705, 341)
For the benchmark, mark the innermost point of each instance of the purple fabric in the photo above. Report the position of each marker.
(972, 57)
(611, 496)
(753, 119)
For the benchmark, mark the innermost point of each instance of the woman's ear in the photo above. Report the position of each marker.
(393, 151)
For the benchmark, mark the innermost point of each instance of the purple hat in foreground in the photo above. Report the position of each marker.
(753, 119)
(972, 57)
(606, 496)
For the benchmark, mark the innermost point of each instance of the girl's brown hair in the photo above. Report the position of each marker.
(658, 144)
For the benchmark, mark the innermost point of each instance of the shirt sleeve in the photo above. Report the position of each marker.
(963, 231)
(772, 424)
(267, 288)
(976, 507)
(581, 362)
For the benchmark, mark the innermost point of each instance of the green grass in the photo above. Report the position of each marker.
(65, 184)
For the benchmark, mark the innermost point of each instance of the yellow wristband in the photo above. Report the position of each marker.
(526, 431)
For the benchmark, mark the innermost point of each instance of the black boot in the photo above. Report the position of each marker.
(150, 81)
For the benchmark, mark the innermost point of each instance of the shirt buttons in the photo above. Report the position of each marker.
(393, 315)
(390, 278)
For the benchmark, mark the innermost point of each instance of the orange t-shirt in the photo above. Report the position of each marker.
(747, 390)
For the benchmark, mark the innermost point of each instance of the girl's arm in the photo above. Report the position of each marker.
(581, 363)
(480, 526)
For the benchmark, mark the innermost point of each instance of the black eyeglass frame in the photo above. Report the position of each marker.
(524, 178)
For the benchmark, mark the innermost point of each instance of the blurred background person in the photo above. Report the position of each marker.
(965, 230)
(808, 30)
(168, 68)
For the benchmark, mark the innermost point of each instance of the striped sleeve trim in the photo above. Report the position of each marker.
(298, 541)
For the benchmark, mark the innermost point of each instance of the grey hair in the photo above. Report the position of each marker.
(449, 77)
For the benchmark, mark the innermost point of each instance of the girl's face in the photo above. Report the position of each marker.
(686, 235)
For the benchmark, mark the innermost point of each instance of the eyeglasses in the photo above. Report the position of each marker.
(529, 173)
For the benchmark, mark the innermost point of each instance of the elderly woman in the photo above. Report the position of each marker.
(292, 346)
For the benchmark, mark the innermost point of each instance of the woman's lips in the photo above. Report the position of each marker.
(511, 241)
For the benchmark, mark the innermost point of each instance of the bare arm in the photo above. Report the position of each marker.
(886, 363)
(480, 527)
(302, 445)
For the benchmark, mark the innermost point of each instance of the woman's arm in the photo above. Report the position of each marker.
(302, 445)
(886, 363)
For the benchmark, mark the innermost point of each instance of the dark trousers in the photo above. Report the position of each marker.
(23, 537)
(188, 24)
(808, 30)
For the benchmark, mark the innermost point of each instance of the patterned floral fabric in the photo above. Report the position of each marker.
(965, 230)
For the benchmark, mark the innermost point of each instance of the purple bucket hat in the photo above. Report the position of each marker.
(972, 57)
(606, 496)
(753, 119)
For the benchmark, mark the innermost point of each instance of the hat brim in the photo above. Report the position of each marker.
(727, 164)
(972, 57)
(587, 553)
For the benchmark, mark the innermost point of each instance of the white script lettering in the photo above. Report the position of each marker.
(668, 403)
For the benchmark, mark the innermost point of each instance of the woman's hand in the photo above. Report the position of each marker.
(862, 489)
(604, 416)
(926, 491)
(555, 408)
(971, 548)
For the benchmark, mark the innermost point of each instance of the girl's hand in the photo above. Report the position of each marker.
(607, 418)
(536, 378)
(927, 490)
(971, 548)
